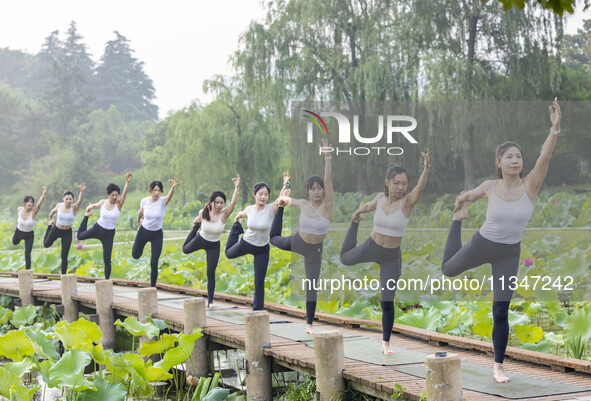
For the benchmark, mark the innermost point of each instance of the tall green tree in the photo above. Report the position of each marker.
(121, 81)
(72, 70)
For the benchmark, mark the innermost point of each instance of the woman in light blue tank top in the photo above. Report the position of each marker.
(498, 241)
(383, 246)
(308, 241)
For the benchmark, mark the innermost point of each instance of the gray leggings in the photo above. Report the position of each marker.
(389, 260)
(504, 259)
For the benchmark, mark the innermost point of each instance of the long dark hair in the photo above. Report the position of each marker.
(501, 149)
(209, 205)
(392, 172)
(28, 198)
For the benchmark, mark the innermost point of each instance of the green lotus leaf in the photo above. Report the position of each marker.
(43, 346)
(518, 319)
(98, 354)
(24, 315)
(155, 374)
(217, 394)
(76, 382)
(44, 367)
(19, 368)
(554, 338)
(578, 324)
(14, 345)
(182, 352)
(22, 393)
(72, 363)
(136, 328)
(165, 342)
(116, 364)
(543, 346)
(421, 318)
(161, 324)
(7, 381)
(104, 390)
(5, 315)
(79, 334)
(529, 334)
(482, 323)
(137, 364)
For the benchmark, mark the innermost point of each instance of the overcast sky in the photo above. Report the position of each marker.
(181, 42)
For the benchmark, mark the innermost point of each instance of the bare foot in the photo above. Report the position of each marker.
(238, 221)
(212, 305)
(499, 374)
(386, 348)
(310, 330)
(461, 213)
(357, 217)
(88, 212)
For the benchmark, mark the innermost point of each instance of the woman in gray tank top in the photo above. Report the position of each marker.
(498, 241)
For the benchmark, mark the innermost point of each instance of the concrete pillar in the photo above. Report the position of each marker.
(195, 318)
(25, 287)
(258, 366)
(104, 303)
(443, 376)
(69, 288)
(147, 302)
(329, 356)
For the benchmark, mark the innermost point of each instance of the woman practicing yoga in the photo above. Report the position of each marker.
(393, 208)
(498, 242)
(212, 219)
(104, 228)
(25, 223)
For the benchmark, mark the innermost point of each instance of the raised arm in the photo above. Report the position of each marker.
(283, 189)
(228, 210)
(39, 202)
(535, 178)
(97, 205)
(173, 184)
(121, 199)
(328, 190)
(81, 187)
(475, 194)
(368, 206)
(413, 197)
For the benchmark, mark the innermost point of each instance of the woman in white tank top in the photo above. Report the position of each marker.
(26, 215)
(255, 240)
(64, 214)
(212, 219)
(104, 228)
(393, 208)
(498, 242)
(315, 215)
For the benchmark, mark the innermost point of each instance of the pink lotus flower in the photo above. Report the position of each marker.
(564, 184)
(528, 261)
(79, 246)
(556, 202)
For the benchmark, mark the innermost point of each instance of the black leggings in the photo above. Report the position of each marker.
(193, 243)
(142, 237)
(312, 254)
(102, 234)
(29, 237)
(389, 260)
(504, 259)
(235, 248)
(52, 234)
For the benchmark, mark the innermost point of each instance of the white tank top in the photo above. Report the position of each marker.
(108, 218)
(212, 230)
(67, 218)
(259, 225)
(314, 226)
(154, 213)
(506, 221)
(392, 225)
(25, 226)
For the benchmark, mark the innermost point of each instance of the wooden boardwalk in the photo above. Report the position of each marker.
(376, 380)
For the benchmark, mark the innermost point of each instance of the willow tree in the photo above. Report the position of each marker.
(342, 51)
(476, 51)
